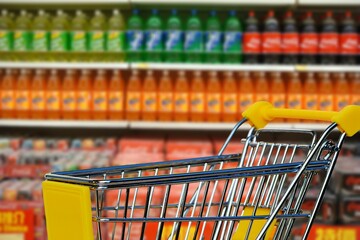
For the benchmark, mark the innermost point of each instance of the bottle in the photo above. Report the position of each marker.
(252, 40)
(116, 96)
(133, 96)
(115, 37)
(232, 47)
(78, 37)
(294, 92)
(194, 46)
(6, 35)
(135, 37)
(53, 95)
(309, 40)
(174, 38)
(290, 39)
(197, 98)
(83, 95)
(229, 100)
(8, 94)
(37, 95)
(181, 98)
(262, 89)
(100, 96)
(154, 38)
(149, 97)
(271, 40)
(41, 36)
(213, 98)
(166, 97)
(326, 98)
(329, 40)
(97, 32)
(68, 95)
(22, 35)
(22, 95)
(348, 40)
(311, 101)
(213, 39)
(277, 90)
(59, 37)
(341, 91)
(246, 92)
(354, 79)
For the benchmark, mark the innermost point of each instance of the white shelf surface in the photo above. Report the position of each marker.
(329, 2)
(64, 65)
(216, 2)
(327, 68)
(65, 2)
(63, 124)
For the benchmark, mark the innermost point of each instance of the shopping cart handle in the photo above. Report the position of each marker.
(261, 113)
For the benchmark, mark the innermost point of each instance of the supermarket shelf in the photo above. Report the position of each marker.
(64, 65)
(327, 3)
(216, 2)
(64, 2)
(328, 68)
(64, 124)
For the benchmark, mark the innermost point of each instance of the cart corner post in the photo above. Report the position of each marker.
(67, 211)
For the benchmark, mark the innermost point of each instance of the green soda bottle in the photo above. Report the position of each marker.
(174, 38)
(41, 36)
(213, 39)
(154, 38)
(22, 36)
(232, 49)
(97, 38)
(115, 43)
(6, 35)
(78, 37)
(194, 45)
(60, 36)
(135, 37)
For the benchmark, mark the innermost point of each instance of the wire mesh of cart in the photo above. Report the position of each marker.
(256, 194)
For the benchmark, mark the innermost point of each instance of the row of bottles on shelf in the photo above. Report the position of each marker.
(169, 96)
(176, 39)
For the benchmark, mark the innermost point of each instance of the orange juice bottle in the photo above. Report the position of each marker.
(213, 98)
(166, 98)
(116, 96)
(277, 90)
(326, 96)
(38, 95)
(229, 100)
(133, 97)
(197, 98)
(310, 96)
(68, 102)
(8, 95)
(149, 97)
(294, 92)
(342, 91)
(246, 92)
(355, 88)
(181, 98)
(22, 95)
(83, 95)
(53, 96)
(100, 96)
(262, 90)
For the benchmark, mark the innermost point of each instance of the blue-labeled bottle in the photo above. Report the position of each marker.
(194, 40)
(154, 38)
(174, 38)
(135, 38)
(232, 47)
(213, 39)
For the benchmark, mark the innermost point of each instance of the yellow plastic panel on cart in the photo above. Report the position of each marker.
(67, 211)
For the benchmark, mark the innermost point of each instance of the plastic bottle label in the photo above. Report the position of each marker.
(115, 41)
(310, 101)
(69, 103)
(53, 100)
(97, 41)
(22, 100)
(245, 100)
(116, 101)
(135, 40)
(6, 38)
(290, 43)
(271, 42)
(181, 102)
(153, 40)
(197, 102)
(100, 100)
(213, 102)
(174, 40)
(232, 41)
(294, 101)
(325, 103)
(59, 41)
(230, 103)
(329, 43)
(309, 43)
(252, 42)
(193, 41)
(262, 97)
(213, 41)
(41, 41)
(149, 102)
(78, 41)
(165, 102)
(38, 100)
(349, 43)
(7, 100)
(83, 100)
(22, 40)
(133, 102)
(278, 100)
(342, 101)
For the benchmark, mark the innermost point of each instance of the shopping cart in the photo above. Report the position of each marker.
(257, 194)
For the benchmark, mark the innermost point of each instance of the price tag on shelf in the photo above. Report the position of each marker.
(334, 232)
(301, 68)
(142, 65)
(17, 224)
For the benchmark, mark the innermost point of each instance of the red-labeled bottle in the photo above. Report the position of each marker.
(271, 39)
(252, 40)
(329, 40)
(349, 41)
(290, 39)
(309, 40)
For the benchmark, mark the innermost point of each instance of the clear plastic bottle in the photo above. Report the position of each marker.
(78, 37)
(115, 38)
(6, 35)
(41, 36)
(97, 32)
(22, 36)
(59, 36)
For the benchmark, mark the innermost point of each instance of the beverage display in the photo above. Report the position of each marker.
(246, 91)
(41, 36)
(78, 36)
(53, 95)
(309, 40)
(325, 92)
(181, 97)
(194, 39)
(213, 39)
(174, 38)
(290, 39)
(68, 95)
(229, 99)
(116, 96)
(277, 90)
(166, 97)
(232, 46)
(149, 99)
(154, 38)
(133, 96)
(213, 98)
(294, 99)
(22, 95)
(197, 98)
(341, 91)
(38, 98)
(22, 35)
(6, 34)
(135, 37)
(83, 95)
(8, 85)
(271, 40)
(310, 97)
(262, 88)
(59, 36)
(252, 40)
(97, 35)
(100, 96)
(329, 40)
(349, 40)
(115, 37)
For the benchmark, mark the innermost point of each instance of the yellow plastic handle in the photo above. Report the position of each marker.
(261, 113)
